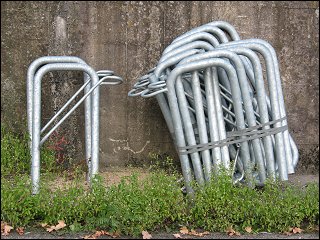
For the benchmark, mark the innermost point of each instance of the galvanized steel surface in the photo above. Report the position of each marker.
(208, 87)
(92, 81)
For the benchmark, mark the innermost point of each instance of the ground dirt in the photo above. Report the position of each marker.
(113, 175)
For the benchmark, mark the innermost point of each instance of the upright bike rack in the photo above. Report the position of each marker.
(92, 81)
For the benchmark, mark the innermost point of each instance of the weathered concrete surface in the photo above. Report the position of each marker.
(128, 38)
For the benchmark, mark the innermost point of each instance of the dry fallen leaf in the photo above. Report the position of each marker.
(287, 233)
(248, 229)
(104, 232)
(6, 229)
(20, 230)
(293, 231)
(60, 225)
(50, 229)
(203, 233)
(89, 237)
(193, 232)
(44, 225)
(230, 231)
(114, 234)
(2, 226)
(146, 235)
(297, 230)
(95, 235)
(184, 230)
(177, 235)
(100, 233)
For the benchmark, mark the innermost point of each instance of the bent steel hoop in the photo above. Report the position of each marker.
(207, 87)
(92, 81)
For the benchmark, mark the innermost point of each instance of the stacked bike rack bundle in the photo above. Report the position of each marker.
(92, 81)
(210, 87)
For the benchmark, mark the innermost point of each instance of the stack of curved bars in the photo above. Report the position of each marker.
(92, 81)
(221, 109)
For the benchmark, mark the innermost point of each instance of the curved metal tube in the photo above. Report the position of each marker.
(280, 147)
(189, 134)
(153, 78)
(64, 106)
(136, 91)
(193, 45)
(195, 109)
(191, 38)
(262, 104)
(213, 111)
(245, 94)
(288, 144)
(214, 62)
(35, 172)
(210, 27)
(219, 24)
(100, 82)
(34, 66)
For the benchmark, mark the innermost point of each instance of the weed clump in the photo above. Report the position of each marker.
(153, 203)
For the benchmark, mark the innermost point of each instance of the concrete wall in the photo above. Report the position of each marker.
(128, 38)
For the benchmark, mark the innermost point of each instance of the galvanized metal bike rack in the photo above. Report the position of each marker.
(212, 95)
(92, 81)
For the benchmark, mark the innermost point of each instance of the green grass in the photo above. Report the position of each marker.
(15, 154)
(155, 203)
(275, 208)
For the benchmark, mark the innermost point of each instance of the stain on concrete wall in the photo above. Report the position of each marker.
(128, 37)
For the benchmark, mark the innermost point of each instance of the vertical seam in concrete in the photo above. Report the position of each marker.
(202, 10)
(126, 75)
(48, 26)
(190, 12)
(91, 49)
(164, 25)
(163, 20)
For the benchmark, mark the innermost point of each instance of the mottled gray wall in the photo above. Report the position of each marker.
(128, 38)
